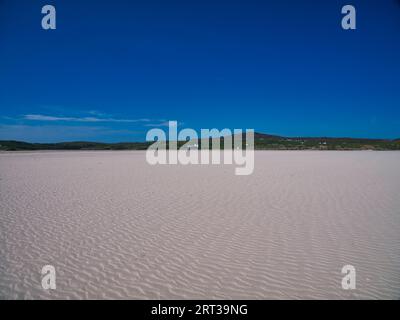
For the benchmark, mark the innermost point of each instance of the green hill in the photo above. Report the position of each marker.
(261, 142)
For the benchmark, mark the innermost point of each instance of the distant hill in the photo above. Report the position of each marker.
(261, 142)
(76, 145)
(270, 142)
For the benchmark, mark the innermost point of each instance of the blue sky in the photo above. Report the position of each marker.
(112, 70)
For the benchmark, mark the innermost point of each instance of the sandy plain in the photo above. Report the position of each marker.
(115, 227)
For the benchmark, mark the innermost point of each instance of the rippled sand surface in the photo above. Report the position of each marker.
(115, 227)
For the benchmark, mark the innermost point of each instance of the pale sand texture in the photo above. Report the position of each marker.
(115, 227)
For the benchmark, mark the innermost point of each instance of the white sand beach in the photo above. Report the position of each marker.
(115, 227)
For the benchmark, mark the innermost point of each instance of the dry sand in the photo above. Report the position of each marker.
(115, 227)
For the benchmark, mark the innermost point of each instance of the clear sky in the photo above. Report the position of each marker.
(114, 69)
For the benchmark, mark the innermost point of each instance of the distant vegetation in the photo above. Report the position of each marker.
(78, 145)
(267, 142)
(261, 142)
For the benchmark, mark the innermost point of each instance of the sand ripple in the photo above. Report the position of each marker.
(115, 227)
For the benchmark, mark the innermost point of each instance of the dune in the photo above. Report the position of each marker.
(115, 227)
